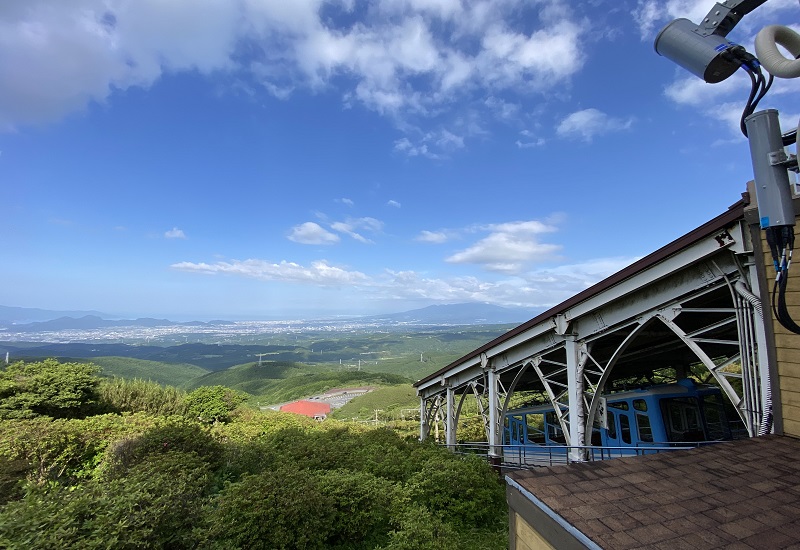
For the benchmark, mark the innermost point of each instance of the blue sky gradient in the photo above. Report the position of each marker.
(249, 159)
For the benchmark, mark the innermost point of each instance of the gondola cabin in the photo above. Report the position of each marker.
(657, 416)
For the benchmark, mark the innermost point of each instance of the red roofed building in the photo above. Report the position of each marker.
(311, 409)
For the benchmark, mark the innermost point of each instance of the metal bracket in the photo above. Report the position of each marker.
(780, 158)
(723, 17)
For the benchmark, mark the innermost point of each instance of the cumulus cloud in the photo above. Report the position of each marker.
(312, 233)
(432, 145)
(588, 123)
(535, 289)
(435, 237)
(56, 57)
(348, 202)
(398, 57)
(319, 273)
(175, 233)
(352, 226)
(509, 247)
(530, 144)
(393, 203)
(696, 92)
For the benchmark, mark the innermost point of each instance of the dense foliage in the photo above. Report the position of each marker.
(47, 388)
(143, 479)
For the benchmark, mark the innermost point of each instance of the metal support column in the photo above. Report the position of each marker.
(575, 390)
(495, 442)
(423, 420)
(450, 418)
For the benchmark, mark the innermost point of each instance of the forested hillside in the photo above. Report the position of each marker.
(93, 463)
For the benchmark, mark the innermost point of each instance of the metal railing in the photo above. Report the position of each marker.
(532, 456)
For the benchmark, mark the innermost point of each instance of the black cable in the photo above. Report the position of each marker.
(753, 92)
(780, 240)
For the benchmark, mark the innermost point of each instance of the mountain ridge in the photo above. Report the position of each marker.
(438, 314)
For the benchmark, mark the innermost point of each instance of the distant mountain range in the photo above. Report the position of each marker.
(10, 314)
(16, 319)
(93, 321)
(460, 314)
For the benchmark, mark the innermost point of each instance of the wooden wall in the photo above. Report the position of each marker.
(787, 344)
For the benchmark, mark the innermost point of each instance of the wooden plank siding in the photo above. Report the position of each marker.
(787, 344)
(527, 538)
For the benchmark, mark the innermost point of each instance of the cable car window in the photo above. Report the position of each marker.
(555, 434)
(683, 419)
(612, 425)
(716, 419)
(619, 405)
(625, 428)
(640, 405)
(645, 431)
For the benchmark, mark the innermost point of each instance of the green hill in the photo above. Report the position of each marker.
(392, 401)
(171, 374)
(277, 382)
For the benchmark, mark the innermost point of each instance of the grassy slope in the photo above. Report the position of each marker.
(277, 382)
(171, 374)
(390, 400)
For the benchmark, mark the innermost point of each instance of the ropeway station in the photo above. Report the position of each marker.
(695, 303)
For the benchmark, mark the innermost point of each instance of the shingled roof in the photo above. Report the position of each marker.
(739, 494)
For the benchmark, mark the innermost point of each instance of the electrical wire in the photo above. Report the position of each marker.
(780, 240)
(759, 86)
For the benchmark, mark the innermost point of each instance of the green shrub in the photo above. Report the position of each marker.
(275, 509)
(157, 505)
(465, 491)
(48, 388)
(120, 395)
(363, 507)
(213, 403)
(65, 450)
(174, 434)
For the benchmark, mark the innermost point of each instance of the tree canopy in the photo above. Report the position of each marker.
(48, 388)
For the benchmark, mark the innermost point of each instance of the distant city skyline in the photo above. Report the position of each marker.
(256, 159)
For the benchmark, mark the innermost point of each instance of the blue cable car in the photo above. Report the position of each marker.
(657, 416)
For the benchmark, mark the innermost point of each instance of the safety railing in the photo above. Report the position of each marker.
(531, 456)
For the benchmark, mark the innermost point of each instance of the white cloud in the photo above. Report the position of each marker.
(175, 233)
(537, 288)
(530, 144)
(404, 145)
(435, 237)
(55, 57)
(352, 226)
(393, 203)
(694, 91)
(588, 123)
(312, 233)
(348, 202)
(398, 57)
(433, 145)
(319, 273)
(509, 247)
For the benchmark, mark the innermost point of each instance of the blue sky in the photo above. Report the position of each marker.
(251, 159)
